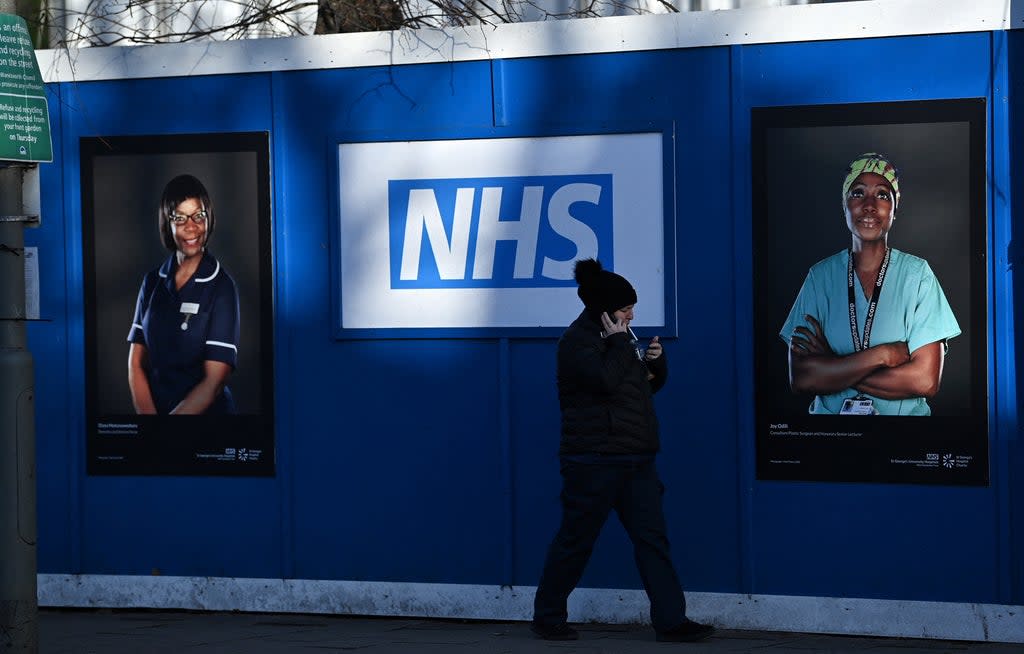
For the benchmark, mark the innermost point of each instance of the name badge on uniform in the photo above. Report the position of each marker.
(188, 309)
(858, 406)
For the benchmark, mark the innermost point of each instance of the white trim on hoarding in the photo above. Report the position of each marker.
(833, 615)
(688, 29)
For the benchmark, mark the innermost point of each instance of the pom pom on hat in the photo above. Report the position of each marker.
(600, 289)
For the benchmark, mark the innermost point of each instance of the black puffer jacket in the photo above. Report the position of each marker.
(607, 401)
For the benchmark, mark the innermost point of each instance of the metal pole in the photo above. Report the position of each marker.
(19, 608)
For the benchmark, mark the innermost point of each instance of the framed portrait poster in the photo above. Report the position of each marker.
(176, 259)
(870, 286)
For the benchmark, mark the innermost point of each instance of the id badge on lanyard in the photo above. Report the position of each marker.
(188, 309)
(862, 405)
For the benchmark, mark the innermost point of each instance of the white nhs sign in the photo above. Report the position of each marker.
(510, 232)
(483, 233)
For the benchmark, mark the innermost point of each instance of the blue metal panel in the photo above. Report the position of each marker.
(869, 70)
(396, 445)
(182, 526)
(1008, 55)
(742, 248)
(125, 524)
(874, 541)
(47, 340)
(436, 460)
(861, 540)
(535, 481)
(398, 454)
(697, 408)
(236, 103)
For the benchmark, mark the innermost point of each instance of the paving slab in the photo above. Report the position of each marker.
(106, 631)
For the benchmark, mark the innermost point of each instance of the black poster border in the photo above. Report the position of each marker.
(239, 445)
(881, 449)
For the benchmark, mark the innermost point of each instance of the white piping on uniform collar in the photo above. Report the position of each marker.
(215, 271)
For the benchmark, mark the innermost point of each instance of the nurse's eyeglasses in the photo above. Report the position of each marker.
(198, 218)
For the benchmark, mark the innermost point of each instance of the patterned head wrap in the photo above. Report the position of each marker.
(872, 162)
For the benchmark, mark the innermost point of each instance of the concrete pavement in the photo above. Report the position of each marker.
(106, 631)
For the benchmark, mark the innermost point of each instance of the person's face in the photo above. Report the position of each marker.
(869, 207)
(190, 236)
(625, 314)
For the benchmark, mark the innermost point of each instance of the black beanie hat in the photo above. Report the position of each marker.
(600, 289)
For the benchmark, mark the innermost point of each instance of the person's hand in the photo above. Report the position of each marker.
(895, 354)
(616, 327)
(810, 341)
(653, 350)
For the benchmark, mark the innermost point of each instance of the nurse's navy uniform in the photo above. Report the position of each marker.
(183, 328)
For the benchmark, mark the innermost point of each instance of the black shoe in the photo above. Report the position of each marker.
(687, 632)
(560, 631)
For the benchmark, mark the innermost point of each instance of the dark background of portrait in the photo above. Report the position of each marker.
(127, 245)
(800, 221)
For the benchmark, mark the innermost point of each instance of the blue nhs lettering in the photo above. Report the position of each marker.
(497, 232)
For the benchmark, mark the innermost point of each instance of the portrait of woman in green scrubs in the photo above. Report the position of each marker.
(868, 331)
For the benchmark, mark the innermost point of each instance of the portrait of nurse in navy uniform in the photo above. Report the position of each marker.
(184, 336)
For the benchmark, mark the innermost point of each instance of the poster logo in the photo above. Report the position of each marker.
(497, 232)
(484, 232)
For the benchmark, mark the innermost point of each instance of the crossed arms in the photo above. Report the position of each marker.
(888, 371)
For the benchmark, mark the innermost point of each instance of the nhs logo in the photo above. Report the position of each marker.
(497, 232)
(466, 233)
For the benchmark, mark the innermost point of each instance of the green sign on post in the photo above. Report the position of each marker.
(24, 116)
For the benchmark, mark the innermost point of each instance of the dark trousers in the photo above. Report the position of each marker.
(590, 490)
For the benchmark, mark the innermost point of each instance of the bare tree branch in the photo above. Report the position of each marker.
(73, 23)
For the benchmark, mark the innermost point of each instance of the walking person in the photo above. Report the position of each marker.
(606, 384)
